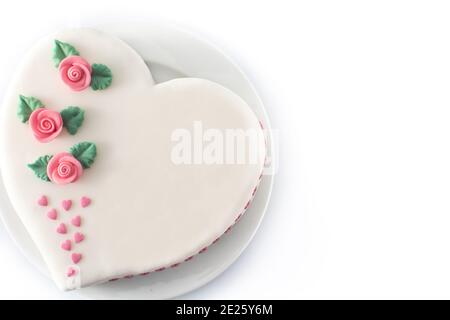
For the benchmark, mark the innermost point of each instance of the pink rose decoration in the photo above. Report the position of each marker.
(75, 72)
(63, 168)
(45, 124)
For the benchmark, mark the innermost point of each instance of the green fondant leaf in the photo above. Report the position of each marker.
(101, 77)
(62, 50)
(40, 167)
(73, 118)
(85, 152)
(26, 106)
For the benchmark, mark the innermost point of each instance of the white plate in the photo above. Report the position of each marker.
(172, 53)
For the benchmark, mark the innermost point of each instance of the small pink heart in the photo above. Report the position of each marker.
(76, 221)
(76, 257)
(52, 214)
(78, 237)
(71, 272)
(43, 201)
(85, 201)
(61, 228)
(67, 204)
(66, 245)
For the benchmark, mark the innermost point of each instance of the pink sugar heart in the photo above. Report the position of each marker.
(52, 214)
(85, 201)
(76, 221)
(67, 204)
(71, 272)
(76, 257)
(43, 201)
(66, 245)
(78, 237)
(61, 228)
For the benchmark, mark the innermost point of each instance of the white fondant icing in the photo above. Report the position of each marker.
(146, 212)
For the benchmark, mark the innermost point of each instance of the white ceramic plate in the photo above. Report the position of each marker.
(171, 53)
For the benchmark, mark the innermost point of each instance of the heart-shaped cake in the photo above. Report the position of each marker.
(114, 175)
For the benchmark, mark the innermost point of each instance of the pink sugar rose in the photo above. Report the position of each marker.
(75, 72)
(45, 124)
(63, 168)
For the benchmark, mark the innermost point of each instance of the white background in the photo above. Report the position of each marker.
(360, 91)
